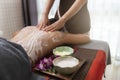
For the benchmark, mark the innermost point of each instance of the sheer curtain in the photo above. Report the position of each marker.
(105, 22)
(41, 4)
(105, 17)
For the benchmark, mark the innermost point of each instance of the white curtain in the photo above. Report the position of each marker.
(105, 21)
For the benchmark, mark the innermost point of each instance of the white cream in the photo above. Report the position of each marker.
(32, 42)
(67, 62)
(56, 37)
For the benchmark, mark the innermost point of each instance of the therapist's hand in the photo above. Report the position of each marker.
(55, 26)
(44, 21)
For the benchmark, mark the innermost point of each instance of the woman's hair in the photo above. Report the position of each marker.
(52, 20)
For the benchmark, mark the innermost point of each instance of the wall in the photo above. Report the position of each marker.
(11, 18)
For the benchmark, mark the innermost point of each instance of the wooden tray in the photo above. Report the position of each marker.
(60, 76)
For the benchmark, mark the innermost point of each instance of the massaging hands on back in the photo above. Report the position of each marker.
(46, 26)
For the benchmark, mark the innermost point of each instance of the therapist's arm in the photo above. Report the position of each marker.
(44, 18)
(76, 6)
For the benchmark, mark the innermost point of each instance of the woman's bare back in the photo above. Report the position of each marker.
(37, 43)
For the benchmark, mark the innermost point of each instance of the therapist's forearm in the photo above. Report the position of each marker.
(77, 5)
(47, 7)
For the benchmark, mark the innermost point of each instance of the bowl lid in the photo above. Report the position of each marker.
(63, 50)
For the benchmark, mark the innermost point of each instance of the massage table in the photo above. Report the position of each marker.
(99, 45)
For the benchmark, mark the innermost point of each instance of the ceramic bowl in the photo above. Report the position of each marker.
(66, 64)
(63, 51)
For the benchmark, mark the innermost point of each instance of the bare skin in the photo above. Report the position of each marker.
(39, 43)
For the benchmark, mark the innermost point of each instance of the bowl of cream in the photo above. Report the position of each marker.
(66, 64)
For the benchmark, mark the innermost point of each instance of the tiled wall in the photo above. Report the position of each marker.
(11, 18)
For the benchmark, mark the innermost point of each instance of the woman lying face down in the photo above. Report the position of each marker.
(38, 43)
